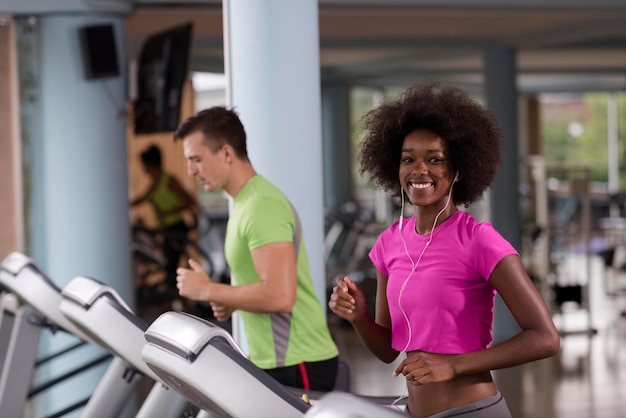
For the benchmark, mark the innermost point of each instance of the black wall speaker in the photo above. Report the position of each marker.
(99, 51)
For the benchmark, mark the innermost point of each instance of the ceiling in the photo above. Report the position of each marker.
(562, 45)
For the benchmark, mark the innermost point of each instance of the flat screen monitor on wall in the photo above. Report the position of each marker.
(161, 75)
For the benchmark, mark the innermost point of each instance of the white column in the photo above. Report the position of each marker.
(83, 129)
(273, 71)
(81, 226)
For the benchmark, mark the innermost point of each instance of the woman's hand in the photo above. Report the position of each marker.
(347, 300)
(420, 367)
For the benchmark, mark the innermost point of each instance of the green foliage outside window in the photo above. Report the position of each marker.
(575, 132)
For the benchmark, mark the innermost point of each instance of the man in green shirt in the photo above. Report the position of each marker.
(283, 319)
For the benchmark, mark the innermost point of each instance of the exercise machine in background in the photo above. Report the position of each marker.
(30, 307)
(98, 311)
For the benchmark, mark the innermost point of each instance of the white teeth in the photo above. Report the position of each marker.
(420, 185)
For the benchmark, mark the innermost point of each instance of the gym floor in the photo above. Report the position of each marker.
(587, 379)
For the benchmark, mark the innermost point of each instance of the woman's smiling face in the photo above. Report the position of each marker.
(425, 169)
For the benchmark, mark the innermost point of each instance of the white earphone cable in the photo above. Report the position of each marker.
(415, 264)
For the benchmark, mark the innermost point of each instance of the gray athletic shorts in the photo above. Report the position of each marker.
(490, 407)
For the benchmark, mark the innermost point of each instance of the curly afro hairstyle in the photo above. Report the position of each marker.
(470, 131)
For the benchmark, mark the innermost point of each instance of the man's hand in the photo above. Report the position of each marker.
(193, 283)
(221, 312)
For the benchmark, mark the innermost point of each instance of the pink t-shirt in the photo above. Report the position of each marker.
(448, 300)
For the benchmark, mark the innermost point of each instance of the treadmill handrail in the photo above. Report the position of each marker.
(189, 340)
(15, 262)
(86, 290)
(186, 336)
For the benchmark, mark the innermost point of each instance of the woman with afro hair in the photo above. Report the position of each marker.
(439, 270)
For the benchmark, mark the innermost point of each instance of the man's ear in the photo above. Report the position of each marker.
(229, 152)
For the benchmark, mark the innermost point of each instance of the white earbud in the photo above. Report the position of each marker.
(456, 177)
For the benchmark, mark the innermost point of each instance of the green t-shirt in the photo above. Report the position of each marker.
(261, 214)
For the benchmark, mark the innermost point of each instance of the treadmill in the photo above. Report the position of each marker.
(31, 305)
(203, 362)
(99, 312)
